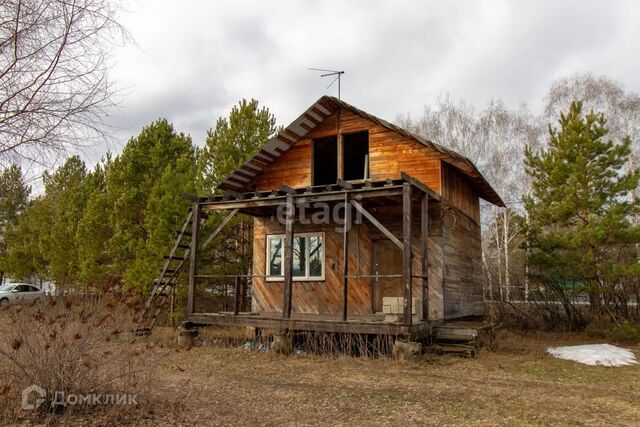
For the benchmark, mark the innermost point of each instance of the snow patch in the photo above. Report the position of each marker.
(595, 354)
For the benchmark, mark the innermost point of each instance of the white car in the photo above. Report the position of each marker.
(18, 293)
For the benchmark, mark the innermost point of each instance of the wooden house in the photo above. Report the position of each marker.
(399, 251)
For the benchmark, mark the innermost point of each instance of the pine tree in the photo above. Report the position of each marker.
(65, 199)
(158, 163)
(14, 197)
(233, 141)
(580, 208)
(95, 230)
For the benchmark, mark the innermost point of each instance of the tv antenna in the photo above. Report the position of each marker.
(328, 73)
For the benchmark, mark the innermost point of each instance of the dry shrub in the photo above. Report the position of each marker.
(228, 336)
(626, 332)
(316, 343)
(345, 344)
(540, 314)
(74, 345)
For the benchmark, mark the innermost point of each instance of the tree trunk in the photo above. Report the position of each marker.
(499, 258)
(526, 262)
(505, 238)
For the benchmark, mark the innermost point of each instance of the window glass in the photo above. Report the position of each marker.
(307, 259)
(300, 256)
(275, 256)
(315, 256)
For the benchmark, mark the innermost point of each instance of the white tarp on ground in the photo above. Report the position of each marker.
(595, 354)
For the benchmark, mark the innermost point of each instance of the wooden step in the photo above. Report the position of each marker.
(175, 257)
(456, 349)
(460, 331)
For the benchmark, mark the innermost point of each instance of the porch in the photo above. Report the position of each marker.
(411, 200)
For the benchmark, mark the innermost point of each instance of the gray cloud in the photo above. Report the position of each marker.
(195, 59)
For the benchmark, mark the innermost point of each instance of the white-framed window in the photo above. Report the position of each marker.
(308, 257)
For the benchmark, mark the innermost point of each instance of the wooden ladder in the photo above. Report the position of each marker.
(165, 284)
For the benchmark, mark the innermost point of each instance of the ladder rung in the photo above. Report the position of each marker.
(162, 294)
(164, 285)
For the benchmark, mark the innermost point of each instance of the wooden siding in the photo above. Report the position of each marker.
(463, 268)
(325, 297)
(459, 192)
(389, 154)
(314, 297)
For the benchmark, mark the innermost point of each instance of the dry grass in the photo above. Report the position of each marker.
(516, 384)
(69, 345)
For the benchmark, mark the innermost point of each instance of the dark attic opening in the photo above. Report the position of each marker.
(356, 156)
(325, 160)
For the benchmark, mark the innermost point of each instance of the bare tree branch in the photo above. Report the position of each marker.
(54, 83)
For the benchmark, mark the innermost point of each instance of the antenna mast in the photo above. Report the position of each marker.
(328, 73)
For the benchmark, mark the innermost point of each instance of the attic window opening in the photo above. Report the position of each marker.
(356, 156)
(325, 160)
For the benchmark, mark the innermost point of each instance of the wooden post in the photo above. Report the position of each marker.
(340, 149)
(406, 252)
(172, 306)
(236, 297)
(288, 259)
(339, 146)
(443, 242)
(345, 256)
(195, 232)
(424, 243)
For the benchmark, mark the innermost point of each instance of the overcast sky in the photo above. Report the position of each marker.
(194, 59)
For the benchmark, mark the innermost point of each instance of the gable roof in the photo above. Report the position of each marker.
(241, 178)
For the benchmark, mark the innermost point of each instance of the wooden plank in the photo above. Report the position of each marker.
(406, 252)
(378, 225)
(340, 153)
(286, 189)
(195, 231)
(220, 227)
(288, 259)
(424, 248)
(236, 296)
(416, 183)
(345, 255)
(302, 325)
(328, 196)
(190, 197)
(345, 184)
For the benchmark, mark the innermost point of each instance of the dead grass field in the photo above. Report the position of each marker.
(517, 384)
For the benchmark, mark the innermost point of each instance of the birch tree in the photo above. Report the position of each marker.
(494, 139)
(55, 88)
